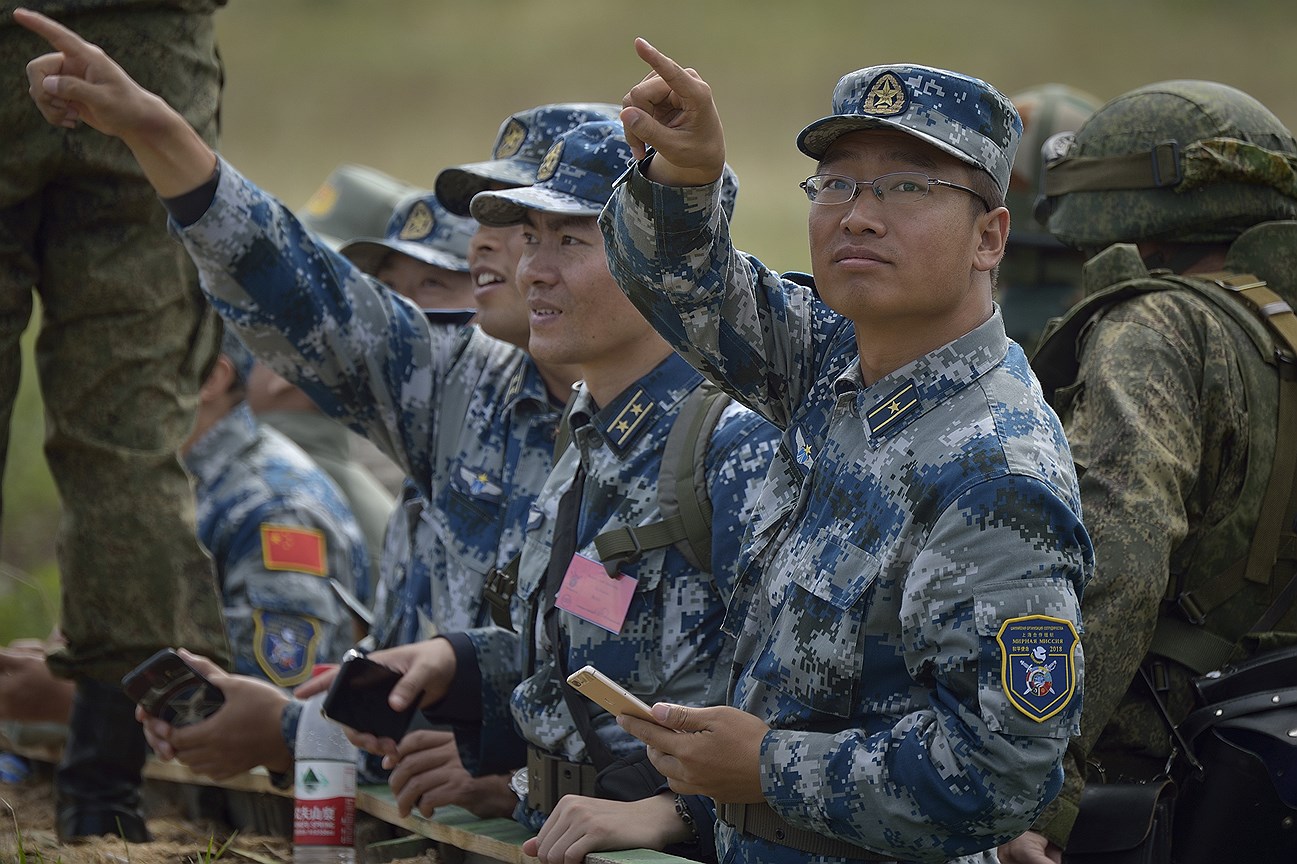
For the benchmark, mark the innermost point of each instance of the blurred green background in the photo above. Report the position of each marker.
(410, 86)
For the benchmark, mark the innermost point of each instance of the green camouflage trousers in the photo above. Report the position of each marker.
(124, 343)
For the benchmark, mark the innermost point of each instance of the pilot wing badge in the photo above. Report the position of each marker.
(1038, 664)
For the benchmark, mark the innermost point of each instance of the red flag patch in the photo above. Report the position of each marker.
(290, 547)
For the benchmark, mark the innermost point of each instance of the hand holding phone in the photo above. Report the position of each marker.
(358, 698)
(608, 694)
(169, 688)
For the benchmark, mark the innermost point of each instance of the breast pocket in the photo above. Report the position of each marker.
(815, 653)
(472, 504)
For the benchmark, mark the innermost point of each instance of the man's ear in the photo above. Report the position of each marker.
(219, 381)
(993, 236)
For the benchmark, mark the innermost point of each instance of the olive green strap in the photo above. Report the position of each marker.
(1152, 169)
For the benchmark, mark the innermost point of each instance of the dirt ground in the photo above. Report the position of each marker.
(27, 834)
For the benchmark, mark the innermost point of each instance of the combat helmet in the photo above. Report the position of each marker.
(1180, 161)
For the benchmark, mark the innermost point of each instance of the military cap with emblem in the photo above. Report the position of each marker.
(957, 114)
(521, 144)
(576, 177)
(421, 228)
(355, 201)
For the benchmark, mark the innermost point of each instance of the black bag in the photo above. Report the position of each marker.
(630, 778)
(1123, 823)
(1239, 803)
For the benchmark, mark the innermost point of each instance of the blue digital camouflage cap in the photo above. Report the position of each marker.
(958, 114)
(421, 228)
(355, 201)
(238, 354)
(575, 178)
(521, 144)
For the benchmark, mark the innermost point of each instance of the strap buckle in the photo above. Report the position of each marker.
(1165, 159)
(1194, 613)
(498, 591)
(613, 565)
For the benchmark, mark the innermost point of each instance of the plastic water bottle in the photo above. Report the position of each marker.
(324, 790)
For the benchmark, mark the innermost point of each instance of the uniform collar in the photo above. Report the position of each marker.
(526, 384)
(896, 400)
(624, 420)
(219, 445)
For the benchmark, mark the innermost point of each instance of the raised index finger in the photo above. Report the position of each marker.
(668, 70)
(50, 30)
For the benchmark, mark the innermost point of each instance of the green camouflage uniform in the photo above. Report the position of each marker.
(125, 339)
(1160, 416)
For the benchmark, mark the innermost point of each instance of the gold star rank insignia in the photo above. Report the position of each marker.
(886, 96)
(419, 223)
(623, 426)
(510, 139)
(549, 164)
(899, 403)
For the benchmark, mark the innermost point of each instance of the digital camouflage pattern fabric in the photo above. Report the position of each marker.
(901, 527)
(278, 530)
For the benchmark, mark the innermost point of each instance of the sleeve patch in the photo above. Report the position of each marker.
(287, 547)
(1038, 664)
(285, 646)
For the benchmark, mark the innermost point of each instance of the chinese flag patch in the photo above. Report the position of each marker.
(285, 547)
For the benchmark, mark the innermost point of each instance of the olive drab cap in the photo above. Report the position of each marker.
(576, 177)
(1046, 110)
(522, 142)
(421, 228)
(1182, 161)
(355, 201)
(958, 114)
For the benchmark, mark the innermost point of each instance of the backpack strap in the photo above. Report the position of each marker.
(682, 490)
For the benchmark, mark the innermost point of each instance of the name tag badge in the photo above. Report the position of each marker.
(591, 595)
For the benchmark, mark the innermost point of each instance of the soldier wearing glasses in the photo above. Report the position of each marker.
(908, 669)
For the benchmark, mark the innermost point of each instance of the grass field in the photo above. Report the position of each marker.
(409, 86)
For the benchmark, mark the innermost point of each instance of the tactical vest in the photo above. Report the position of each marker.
(683, 500)
(1255, 544)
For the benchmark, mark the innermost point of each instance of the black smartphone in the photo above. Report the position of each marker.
(167, 687)
(358, 698)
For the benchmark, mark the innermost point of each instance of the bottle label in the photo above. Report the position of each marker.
(324, 805)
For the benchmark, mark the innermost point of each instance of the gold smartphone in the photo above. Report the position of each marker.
(608, 694)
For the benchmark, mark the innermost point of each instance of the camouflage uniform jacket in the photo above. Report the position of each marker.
(403, 604)
(902, 527)
(467, 417)
(278, 529)
(670, 647)
(1164, 443)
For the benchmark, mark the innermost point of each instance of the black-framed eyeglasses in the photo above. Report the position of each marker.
(900, 187)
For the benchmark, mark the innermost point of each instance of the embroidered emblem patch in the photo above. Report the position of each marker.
(1038, 664)
(886, 96)
(892, 407)
(549, 164)
(510, 139)
(802, 451)
(479, 484)
(285, 646)
(419, 223)
(286, 547)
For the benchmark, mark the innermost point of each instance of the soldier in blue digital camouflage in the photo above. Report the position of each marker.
(278, 529)
(124, 339)
(908, 668)
(1173, 378)
(659, 634)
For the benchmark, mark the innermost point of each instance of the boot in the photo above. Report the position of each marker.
(98, 780)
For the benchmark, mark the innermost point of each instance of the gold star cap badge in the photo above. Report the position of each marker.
(885, 97)
(549, 164)
(419, 223)
(511, 138)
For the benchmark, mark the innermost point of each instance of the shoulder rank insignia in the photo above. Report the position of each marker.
(899, 403)
(510, 139)
(419, 223)
(549, 164)
(285, 646)
(623, 426)
(886, 96)
(1038, 664)
(479, 484)
(290, 547)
